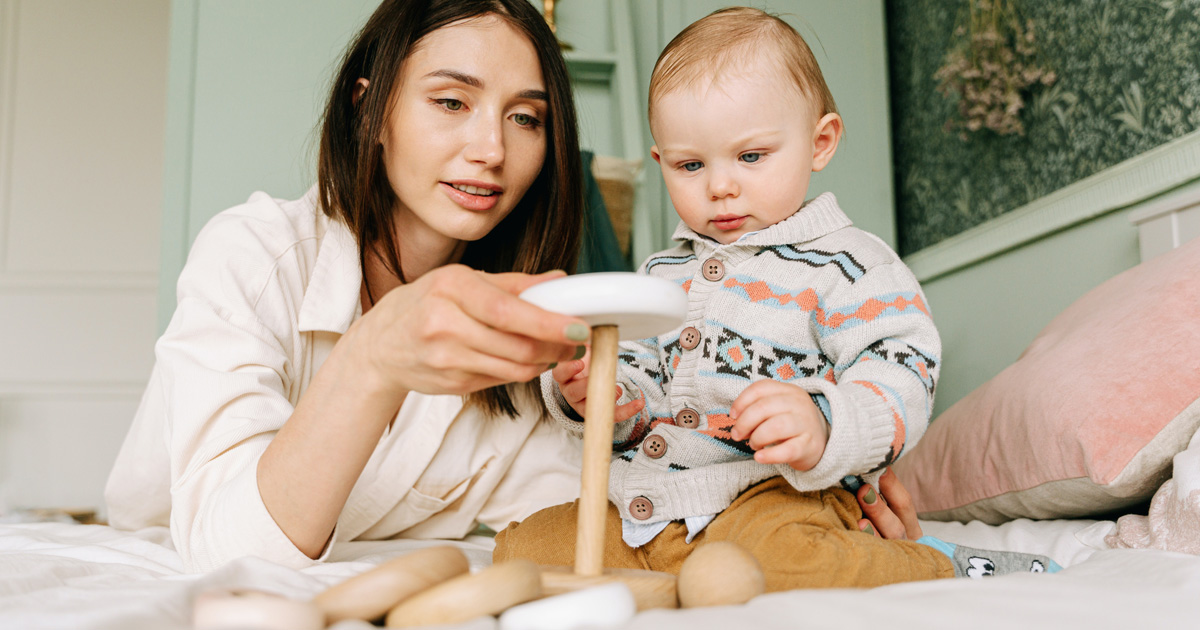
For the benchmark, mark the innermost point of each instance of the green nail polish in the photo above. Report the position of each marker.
(551, 366)
(579, 352)
(869, 498)
(868, 529)
(577, 332)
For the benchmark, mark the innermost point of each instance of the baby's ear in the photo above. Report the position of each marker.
(826, 136)
(655, 154)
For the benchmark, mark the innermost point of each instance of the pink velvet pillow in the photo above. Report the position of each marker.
(1087, 419)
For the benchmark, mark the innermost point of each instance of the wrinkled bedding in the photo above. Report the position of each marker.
(1173, 522)
(55, 575)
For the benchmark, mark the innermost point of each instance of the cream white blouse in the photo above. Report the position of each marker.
(268, 289)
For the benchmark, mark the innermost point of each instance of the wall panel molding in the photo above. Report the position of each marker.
(1135, 180)
(8, 81)
(51, 282)
(60, 390)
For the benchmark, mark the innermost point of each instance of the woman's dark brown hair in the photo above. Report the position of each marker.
(540, 234)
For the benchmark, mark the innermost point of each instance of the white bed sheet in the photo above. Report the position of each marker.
(55, 575)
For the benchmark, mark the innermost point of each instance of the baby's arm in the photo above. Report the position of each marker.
(639, 392)
(885, 353)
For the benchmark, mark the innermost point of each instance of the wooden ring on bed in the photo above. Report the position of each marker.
(235, 608)
(369, 595)
(488, 592)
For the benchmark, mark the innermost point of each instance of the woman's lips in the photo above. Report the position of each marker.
(727, 223)
(477, 203)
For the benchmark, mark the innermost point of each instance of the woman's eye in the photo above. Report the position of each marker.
(751, 157)
(451, 104)
(692, 167)
(525, 120)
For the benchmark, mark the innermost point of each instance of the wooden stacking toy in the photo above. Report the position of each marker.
(617, 306)
(434, 586)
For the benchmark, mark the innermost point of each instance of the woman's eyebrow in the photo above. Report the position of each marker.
(477, 83)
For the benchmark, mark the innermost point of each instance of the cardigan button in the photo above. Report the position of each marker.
(641, 508)
(654, 447)
(713, 269)
(687, 418)
(689, 338)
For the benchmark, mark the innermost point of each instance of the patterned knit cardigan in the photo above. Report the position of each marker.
(811, 301)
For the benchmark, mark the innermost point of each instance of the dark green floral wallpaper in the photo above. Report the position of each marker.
(1126, 79)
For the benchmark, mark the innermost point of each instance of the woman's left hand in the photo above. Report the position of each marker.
(888, 513)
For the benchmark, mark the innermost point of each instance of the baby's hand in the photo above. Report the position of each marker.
(572, 379)
(783, 424)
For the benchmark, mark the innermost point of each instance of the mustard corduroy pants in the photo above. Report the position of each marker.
(801, 539)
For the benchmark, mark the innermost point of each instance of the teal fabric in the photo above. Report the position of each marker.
(599, 250)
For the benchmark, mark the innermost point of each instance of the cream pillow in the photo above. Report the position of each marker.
(1088, 418)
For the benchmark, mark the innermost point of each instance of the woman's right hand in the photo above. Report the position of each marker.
(456, 330)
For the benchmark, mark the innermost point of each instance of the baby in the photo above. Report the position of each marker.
(808, 359)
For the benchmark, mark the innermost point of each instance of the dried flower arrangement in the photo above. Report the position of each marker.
(991, 67)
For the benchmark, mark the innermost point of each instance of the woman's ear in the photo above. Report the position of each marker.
(825, 140)
(360, 88)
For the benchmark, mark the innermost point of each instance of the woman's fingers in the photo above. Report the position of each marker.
(892, 515)
(896, 495)
(492, 299)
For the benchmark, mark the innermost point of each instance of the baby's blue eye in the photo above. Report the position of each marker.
(692, 167)
(751, 157)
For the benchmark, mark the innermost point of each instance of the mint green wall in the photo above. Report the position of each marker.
(987, 313)
(247, 79)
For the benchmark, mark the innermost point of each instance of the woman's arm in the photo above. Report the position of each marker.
(453, 331)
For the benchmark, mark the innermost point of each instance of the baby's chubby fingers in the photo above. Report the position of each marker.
(567, 371)
(748, 417)
(629, 409)
(800, 452)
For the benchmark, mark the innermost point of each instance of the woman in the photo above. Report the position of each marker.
(336, 364)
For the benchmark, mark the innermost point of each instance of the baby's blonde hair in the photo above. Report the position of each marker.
(736, 36)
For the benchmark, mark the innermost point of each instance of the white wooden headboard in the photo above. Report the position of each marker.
(1167, 223)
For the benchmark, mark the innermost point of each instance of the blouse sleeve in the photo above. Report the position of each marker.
(224, 372)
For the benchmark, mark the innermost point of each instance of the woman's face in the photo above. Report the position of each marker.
(465, 138)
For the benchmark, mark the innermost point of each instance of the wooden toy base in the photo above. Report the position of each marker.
(651, 589)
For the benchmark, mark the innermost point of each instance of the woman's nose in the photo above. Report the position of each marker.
(486, 144)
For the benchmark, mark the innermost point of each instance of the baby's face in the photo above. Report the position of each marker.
(736, 155)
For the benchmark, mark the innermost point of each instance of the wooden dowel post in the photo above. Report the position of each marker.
(597, 452)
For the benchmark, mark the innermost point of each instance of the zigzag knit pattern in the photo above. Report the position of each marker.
(811, 301)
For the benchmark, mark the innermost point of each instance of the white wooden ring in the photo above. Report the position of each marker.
(371, 594)
(487, 592)
(606, 606)
(639, 305)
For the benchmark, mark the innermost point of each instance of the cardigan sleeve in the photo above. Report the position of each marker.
(885, 351)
